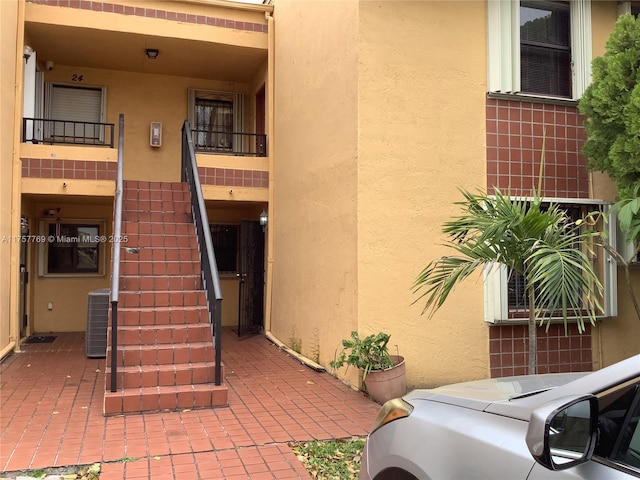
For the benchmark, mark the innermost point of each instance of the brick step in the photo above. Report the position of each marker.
(184, 240)
(165, 196)
(161, 254)
(142, 186)
(160, 283)
(164, 354)
(163, 334)
(169, 298)
(163, 375)
(170, 205)
(173, 217)
(135, 230)
(135, 316)
(158, 241)
(133, 267)
(151, 399)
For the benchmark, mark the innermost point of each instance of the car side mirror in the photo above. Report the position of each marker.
(563, 433)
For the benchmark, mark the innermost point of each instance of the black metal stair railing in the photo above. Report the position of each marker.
(115, 269)
(210, 276)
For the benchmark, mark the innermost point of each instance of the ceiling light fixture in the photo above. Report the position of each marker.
(27, 52)
(152, 53)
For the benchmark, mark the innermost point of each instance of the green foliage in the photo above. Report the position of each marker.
(332, 459)
(295, 343)
(612, 107)
(628, 218)
(368, 353)
(315, 347)
(542, 244)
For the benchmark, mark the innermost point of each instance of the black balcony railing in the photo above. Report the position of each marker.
(68, 132)
(230, 143)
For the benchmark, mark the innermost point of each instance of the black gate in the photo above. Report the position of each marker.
(251, 275)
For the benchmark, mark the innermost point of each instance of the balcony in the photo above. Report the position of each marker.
(67, 132)
(230, 143)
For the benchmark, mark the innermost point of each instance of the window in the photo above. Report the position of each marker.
(518, 297)
(539, 47)
(225, 247)
(545, 51)
(506, 294)
(213, 123)
(75, 114)
(216, 121)
(72, 248)
(618, 426)
(629, 7)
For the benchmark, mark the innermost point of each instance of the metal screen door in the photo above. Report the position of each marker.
(251, 276)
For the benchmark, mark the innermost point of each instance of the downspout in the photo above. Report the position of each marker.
(16, 174)
(272, 180)
(271, 150)
(598, 326)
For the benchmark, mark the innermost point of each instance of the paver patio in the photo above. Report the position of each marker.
(51, 415)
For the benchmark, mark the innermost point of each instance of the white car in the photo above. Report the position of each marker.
(555, 426)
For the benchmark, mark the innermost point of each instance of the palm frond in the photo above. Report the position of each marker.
(439, 278)
(565, 281)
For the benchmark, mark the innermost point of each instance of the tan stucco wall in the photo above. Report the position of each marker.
(422, 135)
(9, 35)
(314, 216)
(616, 338)
(372, 143)
(75, 17)
(67, 293)
(145, 98)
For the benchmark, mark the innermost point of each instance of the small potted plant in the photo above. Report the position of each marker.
(383, 375)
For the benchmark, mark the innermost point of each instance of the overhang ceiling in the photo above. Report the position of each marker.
(109, 50)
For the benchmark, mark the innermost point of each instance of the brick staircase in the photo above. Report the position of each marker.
(165, 349)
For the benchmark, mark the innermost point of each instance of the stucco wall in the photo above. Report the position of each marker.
(67, 293)
(616, 338)
(315, 177)
(145, 98)
(8, 37)
(372, 143)
(422, 125)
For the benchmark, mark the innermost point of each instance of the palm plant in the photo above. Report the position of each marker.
(538, 241)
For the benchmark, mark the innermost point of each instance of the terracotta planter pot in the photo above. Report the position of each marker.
(383, 385)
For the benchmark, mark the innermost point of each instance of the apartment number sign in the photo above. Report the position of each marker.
(77, 77)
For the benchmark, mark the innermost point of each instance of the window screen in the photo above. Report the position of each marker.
(545, 48)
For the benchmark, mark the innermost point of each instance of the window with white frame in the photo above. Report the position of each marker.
(216, 120)
(539, 47)
(506, 291)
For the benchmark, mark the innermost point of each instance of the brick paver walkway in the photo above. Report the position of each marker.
(51, 415)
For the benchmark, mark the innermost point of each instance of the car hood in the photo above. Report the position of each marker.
(479, 394)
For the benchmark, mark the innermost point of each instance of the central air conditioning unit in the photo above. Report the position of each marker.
(97, 321)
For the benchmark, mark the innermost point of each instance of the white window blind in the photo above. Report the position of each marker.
(76, 104)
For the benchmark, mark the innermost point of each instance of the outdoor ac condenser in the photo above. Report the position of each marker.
(97, 320)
